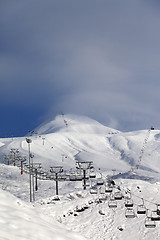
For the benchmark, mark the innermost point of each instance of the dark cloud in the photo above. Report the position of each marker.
(98, 58)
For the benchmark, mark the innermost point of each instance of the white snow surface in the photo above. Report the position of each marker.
(115, 155)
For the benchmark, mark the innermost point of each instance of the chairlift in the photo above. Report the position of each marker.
(112, 203)
(92, 173)
(93, 191)
(149, 223)
(154, 216)
(52, 177)
(26, 168)
(102, 190)
(118, 196)
(127, 194)
(72, 177)
(39, 177)
(79, 177)
(158, 209)
(44, 176)
(100, 181)
(129, 213)
(79, 209)
(85, 206)
(103, 197)
(108, 189)
(26, 171)
(141, 209)
(128, 203)
(61, 177)
(47, 177)
(67, 177)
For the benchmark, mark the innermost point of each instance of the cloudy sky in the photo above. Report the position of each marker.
(99, 58)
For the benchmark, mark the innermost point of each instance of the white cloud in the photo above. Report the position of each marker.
(85, 57)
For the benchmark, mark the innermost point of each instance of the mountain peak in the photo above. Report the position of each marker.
(74, 123)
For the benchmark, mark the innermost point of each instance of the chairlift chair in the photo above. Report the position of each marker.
(102, 190)
(108, 189)
(118, 196)
(128, 203)
(26, 171)
(79, 176)
(92, 173)
(149, 223)
(67, 177)
(93, 191)
(72, 177)
(100, 181)
(39, 177)
(47, 177)
(85, 206)
(154, 216)
(61, 177)
(129, 213)
(112, 203)
(44, 176)
(79, 209)
(158, 209)
(52, 177)
(26, 168)
(102, 197)
(141, 209)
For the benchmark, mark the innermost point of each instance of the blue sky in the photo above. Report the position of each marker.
(99, 58)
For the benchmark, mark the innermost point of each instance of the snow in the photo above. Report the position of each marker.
(79, 214)
(21, 221)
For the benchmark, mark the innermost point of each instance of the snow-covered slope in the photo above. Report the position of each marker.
(21, 221)
(74, 123)
(130, 159)
(68, 139)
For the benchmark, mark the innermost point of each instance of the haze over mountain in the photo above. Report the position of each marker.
(95, 58)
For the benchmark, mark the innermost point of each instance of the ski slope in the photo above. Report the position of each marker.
(115, 155)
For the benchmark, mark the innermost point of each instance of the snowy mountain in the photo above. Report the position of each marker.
(130, 160)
